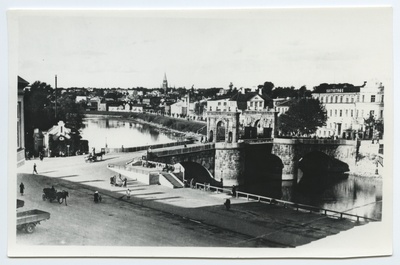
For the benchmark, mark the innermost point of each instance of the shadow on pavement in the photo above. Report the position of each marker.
(68, 176)
(94, 180)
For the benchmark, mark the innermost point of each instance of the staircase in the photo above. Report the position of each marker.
(168, 179)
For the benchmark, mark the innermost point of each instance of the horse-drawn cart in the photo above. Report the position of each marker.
(29, 219)
(93, 157)
(52, 194)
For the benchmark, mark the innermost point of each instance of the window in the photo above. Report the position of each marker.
(251, 104)
(340, 113)
(335, 99)
(372, 98)
(219, 103)
(335, 112)
(352, 99)
(382, 98)
(381, 113)
(330, 113)
(341, 99)
(351, 113)
(363, 96)
(260, 104)
(330, 99)
(224, 103)
(347, 113)
(347, 100)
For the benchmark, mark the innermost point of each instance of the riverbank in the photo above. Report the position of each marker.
(179, 127)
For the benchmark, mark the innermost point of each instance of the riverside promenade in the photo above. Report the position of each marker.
(274, 225)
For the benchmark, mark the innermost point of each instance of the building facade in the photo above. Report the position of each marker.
(348, 107)
(20, 122)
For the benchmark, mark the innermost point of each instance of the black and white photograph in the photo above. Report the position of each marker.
(249, 133)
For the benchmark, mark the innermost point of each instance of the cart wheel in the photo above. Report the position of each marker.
(60, 200)
(44, 197)
(29, 228)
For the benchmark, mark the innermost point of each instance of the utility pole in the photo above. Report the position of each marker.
(56, 97)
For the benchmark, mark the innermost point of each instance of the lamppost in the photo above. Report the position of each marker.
(67, 149)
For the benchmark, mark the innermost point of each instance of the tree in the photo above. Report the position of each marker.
(267, 88)
(303, 117)
(373, 127)
(39, 110)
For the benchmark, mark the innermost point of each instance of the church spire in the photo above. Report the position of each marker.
(165, 84)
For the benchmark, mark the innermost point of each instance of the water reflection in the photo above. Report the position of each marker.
(116, 133)
(355, 195)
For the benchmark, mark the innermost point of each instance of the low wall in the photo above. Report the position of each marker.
(145, 147)
(183, 150)
(139, 174)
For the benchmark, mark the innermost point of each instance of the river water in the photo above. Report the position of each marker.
(115, 133)
(355, 195)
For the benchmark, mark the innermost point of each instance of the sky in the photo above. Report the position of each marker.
(204, 48)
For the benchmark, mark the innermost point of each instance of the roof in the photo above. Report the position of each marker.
(285, 103)
(248, 96)
(22, 83)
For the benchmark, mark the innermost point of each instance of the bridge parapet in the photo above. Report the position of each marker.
(180, 150)
(314, 141)
(258, 141)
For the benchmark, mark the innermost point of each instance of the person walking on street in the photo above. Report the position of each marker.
(34, 169)
(227, 204)
(21, 188)
(128, 194)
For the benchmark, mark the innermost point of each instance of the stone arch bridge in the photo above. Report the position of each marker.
(238, 162)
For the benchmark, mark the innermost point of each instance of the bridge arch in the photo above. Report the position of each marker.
(211, 136)
(318, 165)
(221, 131)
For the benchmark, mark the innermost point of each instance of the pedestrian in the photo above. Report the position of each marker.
(34, 169)
(222, 183)
(125, 180)
(21, 188)
(96, 197)
(234, 190)
(128, 194)
(227, 204)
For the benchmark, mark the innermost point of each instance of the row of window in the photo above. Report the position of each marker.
(335, 113)
(346, 99)
(259, 104)
(346, 113)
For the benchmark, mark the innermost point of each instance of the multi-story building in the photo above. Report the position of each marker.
(348, 106)
(281, 105)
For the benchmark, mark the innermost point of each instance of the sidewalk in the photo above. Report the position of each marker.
(282, 227)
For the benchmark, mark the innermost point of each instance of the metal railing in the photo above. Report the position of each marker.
(285, 204)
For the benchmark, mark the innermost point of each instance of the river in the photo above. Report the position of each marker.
(115, 133)
(356, 195)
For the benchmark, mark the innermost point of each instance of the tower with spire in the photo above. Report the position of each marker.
(165, 84)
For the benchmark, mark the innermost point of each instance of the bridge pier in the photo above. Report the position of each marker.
(230, 163)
